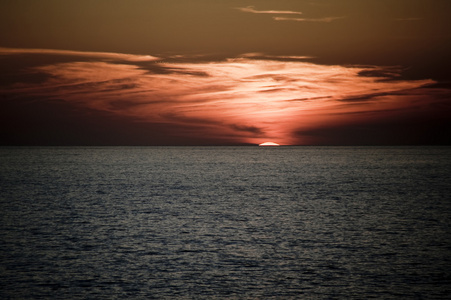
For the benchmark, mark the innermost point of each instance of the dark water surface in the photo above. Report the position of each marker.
(225, 222)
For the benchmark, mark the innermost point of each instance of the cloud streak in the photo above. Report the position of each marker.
(323, 20)
(244, 99)
(260, 55)
(251, 9)
(98, 55)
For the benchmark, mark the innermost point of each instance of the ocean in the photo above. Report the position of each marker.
(225, 222)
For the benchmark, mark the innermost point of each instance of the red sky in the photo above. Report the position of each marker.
(225, 72)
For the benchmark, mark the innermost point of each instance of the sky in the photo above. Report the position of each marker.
(225, 72)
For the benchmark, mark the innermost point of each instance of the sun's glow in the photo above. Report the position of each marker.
(269, 144)
(245, 99)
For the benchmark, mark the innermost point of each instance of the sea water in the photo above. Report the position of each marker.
(225, 222)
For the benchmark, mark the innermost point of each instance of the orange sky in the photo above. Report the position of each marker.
(230, 73)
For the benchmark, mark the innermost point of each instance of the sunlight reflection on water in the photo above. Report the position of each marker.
(221, 222)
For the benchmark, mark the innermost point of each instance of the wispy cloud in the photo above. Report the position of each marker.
(99, 55)
(324, 20)
(245, 98)
(260, 55)
(250, 9)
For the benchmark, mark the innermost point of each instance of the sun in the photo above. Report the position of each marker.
(269, 144)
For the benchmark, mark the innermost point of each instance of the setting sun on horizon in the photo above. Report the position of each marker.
(265, 144)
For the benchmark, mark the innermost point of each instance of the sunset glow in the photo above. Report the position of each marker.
(177, 97)
(265, 144)
(248, 99)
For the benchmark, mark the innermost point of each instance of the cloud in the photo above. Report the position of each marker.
(259, 55)
(415, 122)
(251, 129)
(324, 20)
(245, 99)
(98, 55)
(250, 9)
